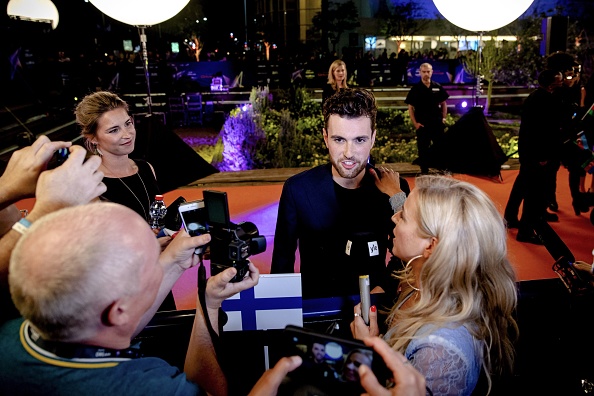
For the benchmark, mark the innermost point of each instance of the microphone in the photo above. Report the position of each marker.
(365, 297)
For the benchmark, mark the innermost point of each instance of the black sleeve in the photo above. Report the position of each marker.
(285, 235)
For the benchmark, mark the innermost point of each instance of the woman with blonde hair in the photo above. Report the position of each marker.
(337, 79)
(453, 317)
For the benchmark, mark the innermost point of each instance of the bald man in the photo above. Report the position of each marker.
(85, 289)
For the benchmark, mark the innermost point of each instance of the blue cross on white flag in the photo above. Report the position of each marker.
(273, 303)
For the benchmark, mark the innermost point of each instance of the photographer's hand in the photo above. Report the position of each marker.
(75, 182)
(359, 329)
(179, 253)
(20, 177)
(269, 382)
(220, 287)
(408, 381)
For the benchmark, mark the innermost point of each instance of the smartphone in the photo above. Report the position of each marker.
(59, 157)
(330, 364)
(193, 219)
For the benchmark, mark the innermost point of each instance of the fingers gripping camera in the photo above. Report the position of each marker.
(231, 244)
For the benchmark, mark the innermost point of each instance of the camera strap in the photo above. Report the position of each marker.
(202, 298)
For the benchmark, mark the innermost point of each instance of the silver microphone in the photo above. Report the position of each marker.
(365, 298)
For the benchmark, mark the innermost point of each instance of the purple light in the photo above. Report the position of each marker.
(464, 104)
(245, 107)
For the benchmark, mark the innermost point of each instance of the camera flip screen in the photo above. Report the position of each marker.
(217, 208)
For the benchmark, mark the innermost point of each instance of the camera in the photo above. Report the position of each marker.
(231, 244)
(59, 157)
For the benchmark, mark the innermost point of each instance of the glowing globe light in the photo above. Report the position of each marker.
(140, 12)
(464, 104)
(34, 10)
(481, 15)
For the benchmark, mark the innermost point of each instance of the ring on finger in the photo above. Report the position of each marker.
(356, 314)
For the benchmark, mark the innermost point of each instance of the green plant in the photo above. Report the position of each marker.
(292, 136)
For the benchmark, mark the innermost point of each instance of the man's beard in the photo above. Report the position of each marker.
(347, 173)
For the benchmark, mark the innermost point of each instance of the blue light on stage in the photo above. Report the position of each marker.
(464, 104)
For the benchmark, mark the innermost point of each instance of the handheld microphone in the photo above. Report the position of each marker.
(365, 297)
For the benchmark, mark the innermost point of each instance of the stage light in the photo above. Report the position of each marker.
(482, 15)
(34, 10)
(141, 13)
(464, 104)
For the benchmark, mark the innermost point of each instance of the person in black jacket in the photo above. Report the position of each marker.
(539, 145)
(339, 213)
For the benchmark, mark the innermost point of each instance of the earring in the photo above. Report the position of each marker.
(406, 273)
(96, 149)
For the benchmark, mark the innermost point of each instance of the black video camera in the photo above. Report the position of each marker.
(231, 244)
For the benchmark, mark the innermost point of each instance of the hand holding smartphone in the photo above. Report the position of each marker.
(193, 219)
(330, 364)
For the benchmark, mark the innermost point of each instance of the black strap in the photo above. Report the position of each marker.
(216, 342)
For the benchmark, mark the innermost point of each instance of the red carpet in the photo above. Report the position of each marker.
(259, 205)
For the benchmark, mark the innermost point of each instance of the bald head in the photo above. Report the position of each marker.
(74, 263)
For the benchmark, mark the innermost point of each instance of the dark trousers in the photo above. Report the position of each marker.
(427, 135)
(537, 185)
(524, 183)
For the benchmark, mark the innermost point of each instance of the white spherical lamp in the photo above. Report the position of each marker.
(33, 10)
(482, 15)
(140, 12)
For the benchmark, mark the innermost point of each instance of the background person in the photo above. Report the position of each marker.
(453, 317)
(108, 130)
(539, 146)
(333, 207)
(428, 109)
(337, 79)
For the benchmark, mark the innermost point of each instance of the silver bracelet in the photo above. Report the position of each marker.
(397, 201)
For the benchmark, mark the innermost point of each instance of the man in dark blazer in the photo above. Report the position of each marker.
(339, 214)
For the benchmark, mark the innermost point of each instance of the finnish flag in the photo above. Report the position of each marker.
(273, 303)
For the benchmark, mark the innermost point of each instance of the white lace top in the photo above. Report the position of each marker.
(450, 360)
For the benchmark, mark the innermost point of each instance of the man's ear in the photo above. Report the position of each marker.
(325, 134)
(116, 314)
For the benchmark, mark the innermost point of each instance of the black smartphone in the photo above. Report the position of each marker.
(193, 219)
(59, 157)
(330, 364)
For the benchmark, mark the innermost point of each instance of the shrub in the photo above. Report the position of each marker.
(288, 133)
